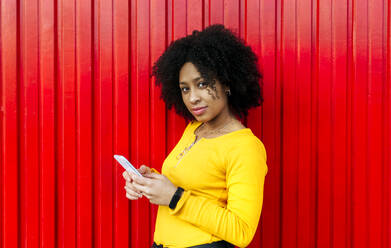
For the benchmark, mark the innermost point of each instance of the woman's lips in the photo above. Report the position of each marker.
(199, 111)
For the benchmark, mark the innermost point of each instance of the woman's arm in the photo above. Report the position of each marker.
(237, 223)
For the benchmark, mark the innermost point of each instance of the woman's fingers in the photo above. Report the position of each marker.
(131, 187)
(131, 197)
(155, 187)
(141, 188)
(143, 181)
(155, 176)
(132, 192)
(137, 186)
(126, 176)
(144, 170)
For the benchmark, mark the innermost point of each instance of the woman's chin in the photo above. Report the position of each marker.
(204, 118)
(200, 118)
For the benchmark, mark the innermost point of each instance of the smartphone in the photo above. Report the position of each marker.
(126, 164)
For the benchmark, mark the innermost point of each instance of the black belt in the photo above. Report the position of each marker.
(217, 244)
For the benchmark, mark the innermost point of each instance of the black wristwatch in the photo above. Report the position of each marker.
(175, 198)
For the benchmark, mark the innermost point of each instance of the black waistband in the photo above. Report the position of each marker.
(217, 244)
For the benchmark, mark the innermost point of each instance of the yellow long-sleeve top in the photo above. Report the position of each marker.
(223, 180)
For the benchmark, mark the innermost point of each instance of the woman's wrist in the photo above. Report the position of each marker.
(176, 197)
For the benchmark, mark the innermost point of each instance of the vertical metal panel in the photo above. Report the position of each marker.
(140, 114)
(75, 89)
(359, 124)
(9, 109)
(386, 240)
(84, 127)
(102, 124)
(28, 124)
(121, 118)
(349, 83)
(305, 163)
(339, 117)
(324, 133)
(271, 122)
(177, 27)
(376, 66)
(66, 125)
(47, 124)
(289, 123)
(194, 15)
(254, 120)
(338, 121)
(158, 113)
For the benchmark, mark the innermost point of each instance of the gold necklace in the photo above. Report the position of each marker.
(187, 148)
(217, 130)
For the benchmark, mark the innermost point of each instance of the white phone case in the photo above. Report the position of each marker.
(126, 164)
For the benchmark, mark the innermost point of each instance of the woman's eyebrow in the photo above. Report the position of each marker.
(194, 80)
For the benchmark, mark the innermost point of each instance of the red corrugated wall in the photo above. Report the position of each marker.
(75, 89)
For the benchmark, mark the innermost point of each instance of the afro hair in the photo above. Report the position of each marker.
(217, 54)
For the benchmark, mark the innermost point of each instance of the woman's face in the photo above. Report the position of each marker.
(206, 101)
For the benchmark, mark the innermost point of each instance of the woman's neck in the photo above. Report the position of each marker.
(220, 122)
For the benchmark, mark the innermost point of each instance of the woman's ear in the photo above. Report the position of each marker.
(227, 91)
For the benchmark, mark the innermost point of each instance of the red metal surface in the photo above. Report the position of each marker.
(84, 114)
(75, 89)
(10, 199)
(47, 103)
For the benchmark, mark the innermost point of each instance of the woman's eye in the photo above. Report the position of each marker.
(184, 89)
(203, 84)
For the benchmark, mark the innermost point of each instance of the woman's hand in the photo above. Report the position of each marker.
(157, 188)
(131, 192)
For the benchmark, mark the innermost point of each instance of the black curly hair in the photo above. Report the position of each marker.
(217, 54)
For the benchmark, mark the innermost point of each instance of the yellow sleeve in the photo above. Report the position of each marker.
(237, 223)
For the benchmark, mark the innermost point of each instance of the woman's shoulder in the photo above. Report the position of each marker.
(245, 138)
(245, 150)
(244, 141)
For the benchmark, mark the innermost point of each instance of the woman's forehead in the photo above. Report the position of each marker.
(189, 73)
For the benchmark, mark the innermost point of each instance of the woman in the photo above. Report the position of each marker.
(210, 191)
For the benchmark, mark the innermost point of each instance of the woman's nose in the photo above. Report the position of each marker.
(194, 97)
